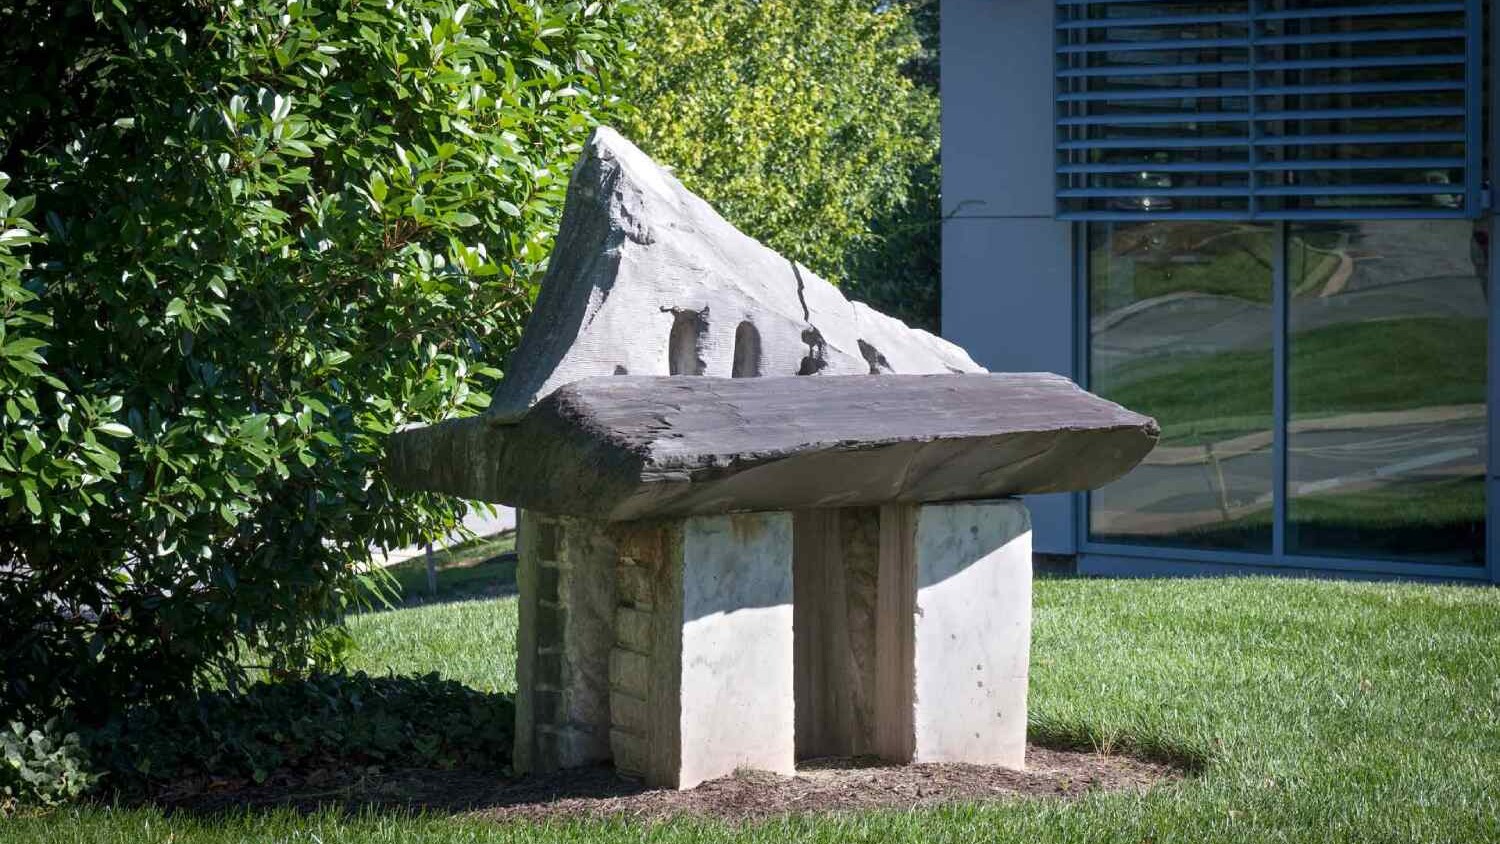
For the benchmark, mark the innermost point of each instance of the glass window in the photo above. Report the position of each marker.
(1180, 316)
(1386, 442)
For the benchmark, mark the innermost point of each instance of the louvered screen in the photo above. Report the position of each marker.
(1268, 109)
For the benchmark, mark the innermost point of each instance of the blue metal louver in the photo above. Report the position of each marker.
(1268, 109)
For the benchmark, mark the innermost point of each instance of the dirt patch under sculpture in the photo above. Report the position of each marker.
(820, 786)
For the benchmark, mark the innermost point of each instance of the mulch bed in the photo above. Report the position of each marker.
(824, 785)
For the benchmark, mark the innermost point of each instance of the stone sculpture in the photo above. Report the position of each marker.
(739, 572)
(639, 258)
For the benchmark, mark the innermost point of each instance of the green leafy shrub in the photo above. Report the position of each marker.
(41, 767)
(54, 445)
(293, 728)
(52, 448)
(275, 232)
(797, 119)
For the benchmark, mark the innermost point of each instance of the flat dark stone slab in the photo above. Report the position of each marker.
(624, 447)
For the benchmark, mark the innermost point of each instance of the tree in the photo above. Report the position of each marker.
(793, 117)
(275, 231)
(899, 268)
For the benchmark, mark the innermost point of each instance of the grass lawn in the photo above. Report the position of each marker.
(461, 632)
(471, 641)
(1317, 711)
(468, 569)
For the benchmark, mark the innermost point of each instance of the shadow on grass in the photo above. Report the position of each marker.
(314, 735)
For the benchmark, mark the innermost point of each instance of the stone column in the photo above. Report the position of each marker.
(566, 579)
(835, 570)
(701, 673)
(913, 632)
(953, 632)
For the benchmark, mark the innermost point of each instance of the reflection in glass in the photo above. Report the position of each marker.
(1180, 317)
(1386, 376)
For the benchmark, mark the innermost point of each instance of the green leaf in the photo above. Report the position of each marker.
(255, 427)
(115, 429)
(24, 347)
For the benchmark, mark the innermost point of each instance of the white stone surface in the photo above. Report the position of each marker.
(737, 704)
(972, 644)
(637, 254)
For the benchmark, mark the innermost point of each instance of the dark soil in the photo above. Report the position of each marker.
(822, 785)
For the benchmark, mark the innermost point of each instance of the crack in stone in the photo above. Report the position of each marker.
(817, 348)
(801, 292)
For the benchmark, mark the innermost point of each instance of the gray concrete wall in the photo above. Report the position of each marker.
(1007, 264)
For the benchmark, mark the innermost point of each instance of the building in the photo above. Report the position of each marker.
(1264, 222)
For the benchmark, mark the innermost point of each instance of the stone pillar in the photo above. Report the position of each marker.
(835, 569)
(913, 632)
(953, 632)
(701, 672)
(566, 579)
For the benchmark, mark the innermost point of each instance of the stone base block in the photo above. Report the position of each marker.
(713, 680)
(836, 569)
(685, 649)
(567, 605)
(971, 631)
(913, 632)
